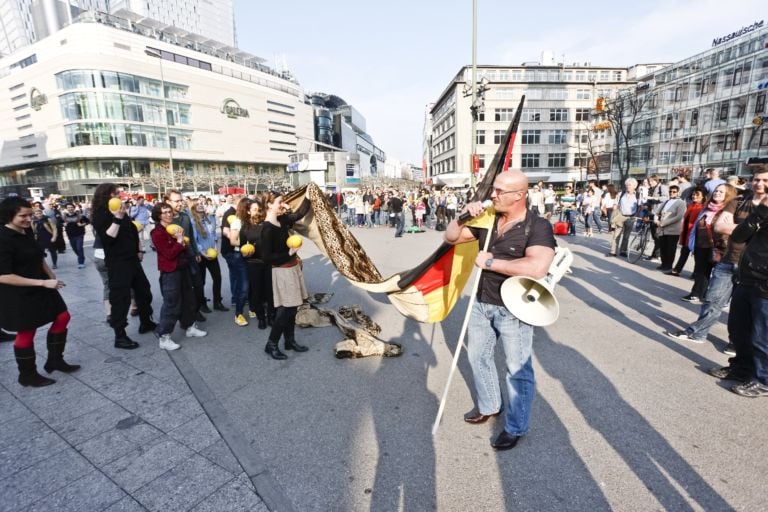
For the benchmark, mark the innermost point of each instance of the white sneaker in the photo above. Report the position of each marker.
(194, 332)
(166, 343)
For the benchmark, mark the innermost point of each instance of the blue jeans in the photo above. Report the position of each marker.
(748, 331)
(76, 242)
(238, 280)
(399, 220)
(717, 296)
(596, 219)
(487, 324)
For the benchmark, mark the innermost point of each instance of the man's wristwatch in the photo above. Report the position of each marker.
(488, 262)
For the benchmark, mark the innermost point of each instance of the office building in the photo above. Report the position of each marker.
(116, 99)
(708, 110)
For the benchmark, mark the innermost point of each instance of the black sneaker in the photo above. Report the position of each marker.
(751, 389)
(148, 326)
(682, 336)
(729, 350)
(205, 309)
(727, 373)
(690, 298)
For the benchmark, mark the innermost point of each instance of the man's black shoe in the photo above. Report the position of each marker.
(7, 336)
(475, 418)
(262, 323)
(205, 309)
(147, 326)
(126, 343)
(199, 317)
(728, 373)
(609, 255)
(219, 306)
(623, 254)
(504, 441)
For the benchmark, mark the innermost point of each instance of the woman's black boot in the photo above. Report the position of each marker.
(56, 343)
(273, 350)
(28, 376)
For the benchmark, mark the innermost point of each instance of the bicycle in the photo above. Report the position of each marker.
(638, 245)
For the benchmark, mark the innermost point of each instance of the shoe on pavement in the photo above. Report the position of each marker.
(195, 332)
(126, 343)
(727, 373)
(200, 317)
(751, 389)
(610, 255)
(145, 327)
(682, 336)
(219, 306)
(475, 417)
(166, 343)
(690, 298)
(504, 441)
(241, 321)
(251, 314)
(729, 350)
(205, 309)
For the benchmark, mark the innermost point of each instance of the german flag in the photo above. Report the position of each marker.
(426, 293)
(429, 292)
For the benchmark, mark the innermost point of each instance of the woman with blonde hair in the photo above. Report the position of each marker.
(701, 240)
(230, 249)
(204, 230)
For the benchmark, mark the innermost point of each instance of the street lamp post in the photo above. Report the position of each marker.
(156, 54)
(477, 93)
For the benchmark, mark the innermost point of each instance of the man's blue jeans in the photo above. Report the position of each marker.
(399, 224)
(717, 296)
(487, 324)
(76, 242)
(238, 280)
(748, 331)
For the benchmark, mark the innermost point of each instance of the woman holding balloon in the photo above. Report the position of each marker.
(173, 262)
(279, 248)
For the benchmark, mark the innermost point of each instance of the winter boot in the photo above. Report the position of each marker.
(56, 344)
(273, 350)
(290, 339)
(28, 376)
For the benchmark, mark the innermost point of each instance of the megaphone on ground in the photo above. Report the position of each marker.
(533, 301)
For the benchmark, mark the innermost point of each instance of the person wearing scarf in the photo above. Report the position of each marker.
(701, 240)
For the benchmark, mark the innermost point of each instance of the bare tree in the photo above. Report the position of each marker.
(622, 112)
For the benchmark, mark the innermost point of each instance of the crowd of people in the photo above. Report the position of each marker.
(720, 223)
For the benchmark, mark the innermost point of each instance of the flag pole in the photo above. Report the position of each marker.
(462, 335)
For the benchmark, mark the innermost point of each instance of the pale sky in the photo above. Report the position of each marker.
(390, 59)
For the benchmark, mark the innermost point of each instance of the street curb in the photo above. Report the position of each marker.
(267, 487)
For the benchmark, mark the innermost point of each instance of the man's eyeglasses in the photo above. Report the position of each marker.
(501, 192)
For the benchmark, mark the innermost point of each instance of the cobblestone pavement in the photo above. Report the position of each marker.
(124, 433)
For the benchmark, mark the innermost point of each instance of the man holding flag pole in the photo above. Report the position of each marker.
(517, 244)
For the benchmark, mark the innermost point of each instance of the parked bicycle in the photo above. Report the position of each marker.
(639, 240)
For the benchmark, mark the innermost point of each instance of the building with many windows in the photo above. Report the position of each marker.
(708, 110)
(553, 141)
(110, 98)
(22, 22)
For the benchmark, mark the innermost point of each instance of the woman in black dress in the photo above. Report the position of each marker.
(46, 235)
(288, 288)
(29, 295)
(259, 273)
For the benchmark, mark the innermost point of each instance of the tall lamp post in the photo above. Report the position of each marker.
(477, 93)
(157, 55)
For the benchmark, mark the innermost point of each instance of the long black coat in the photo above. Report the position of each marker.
(24, 308)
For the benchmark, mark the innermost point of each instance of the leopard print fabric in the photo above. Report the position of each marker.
(332, 237)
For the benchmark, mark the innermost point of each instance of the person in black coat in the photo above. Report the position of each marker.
(29, 295)
(123, 254)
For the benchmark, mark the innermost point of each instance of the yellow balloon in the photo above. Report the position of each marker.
(211, 253)
(114, 204)
(247, 250)
(232, 218)
(172, 229)
(186, 240)
(294, 241)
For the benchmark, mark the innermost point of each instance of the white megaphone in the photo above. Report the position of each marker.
(533, 301)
